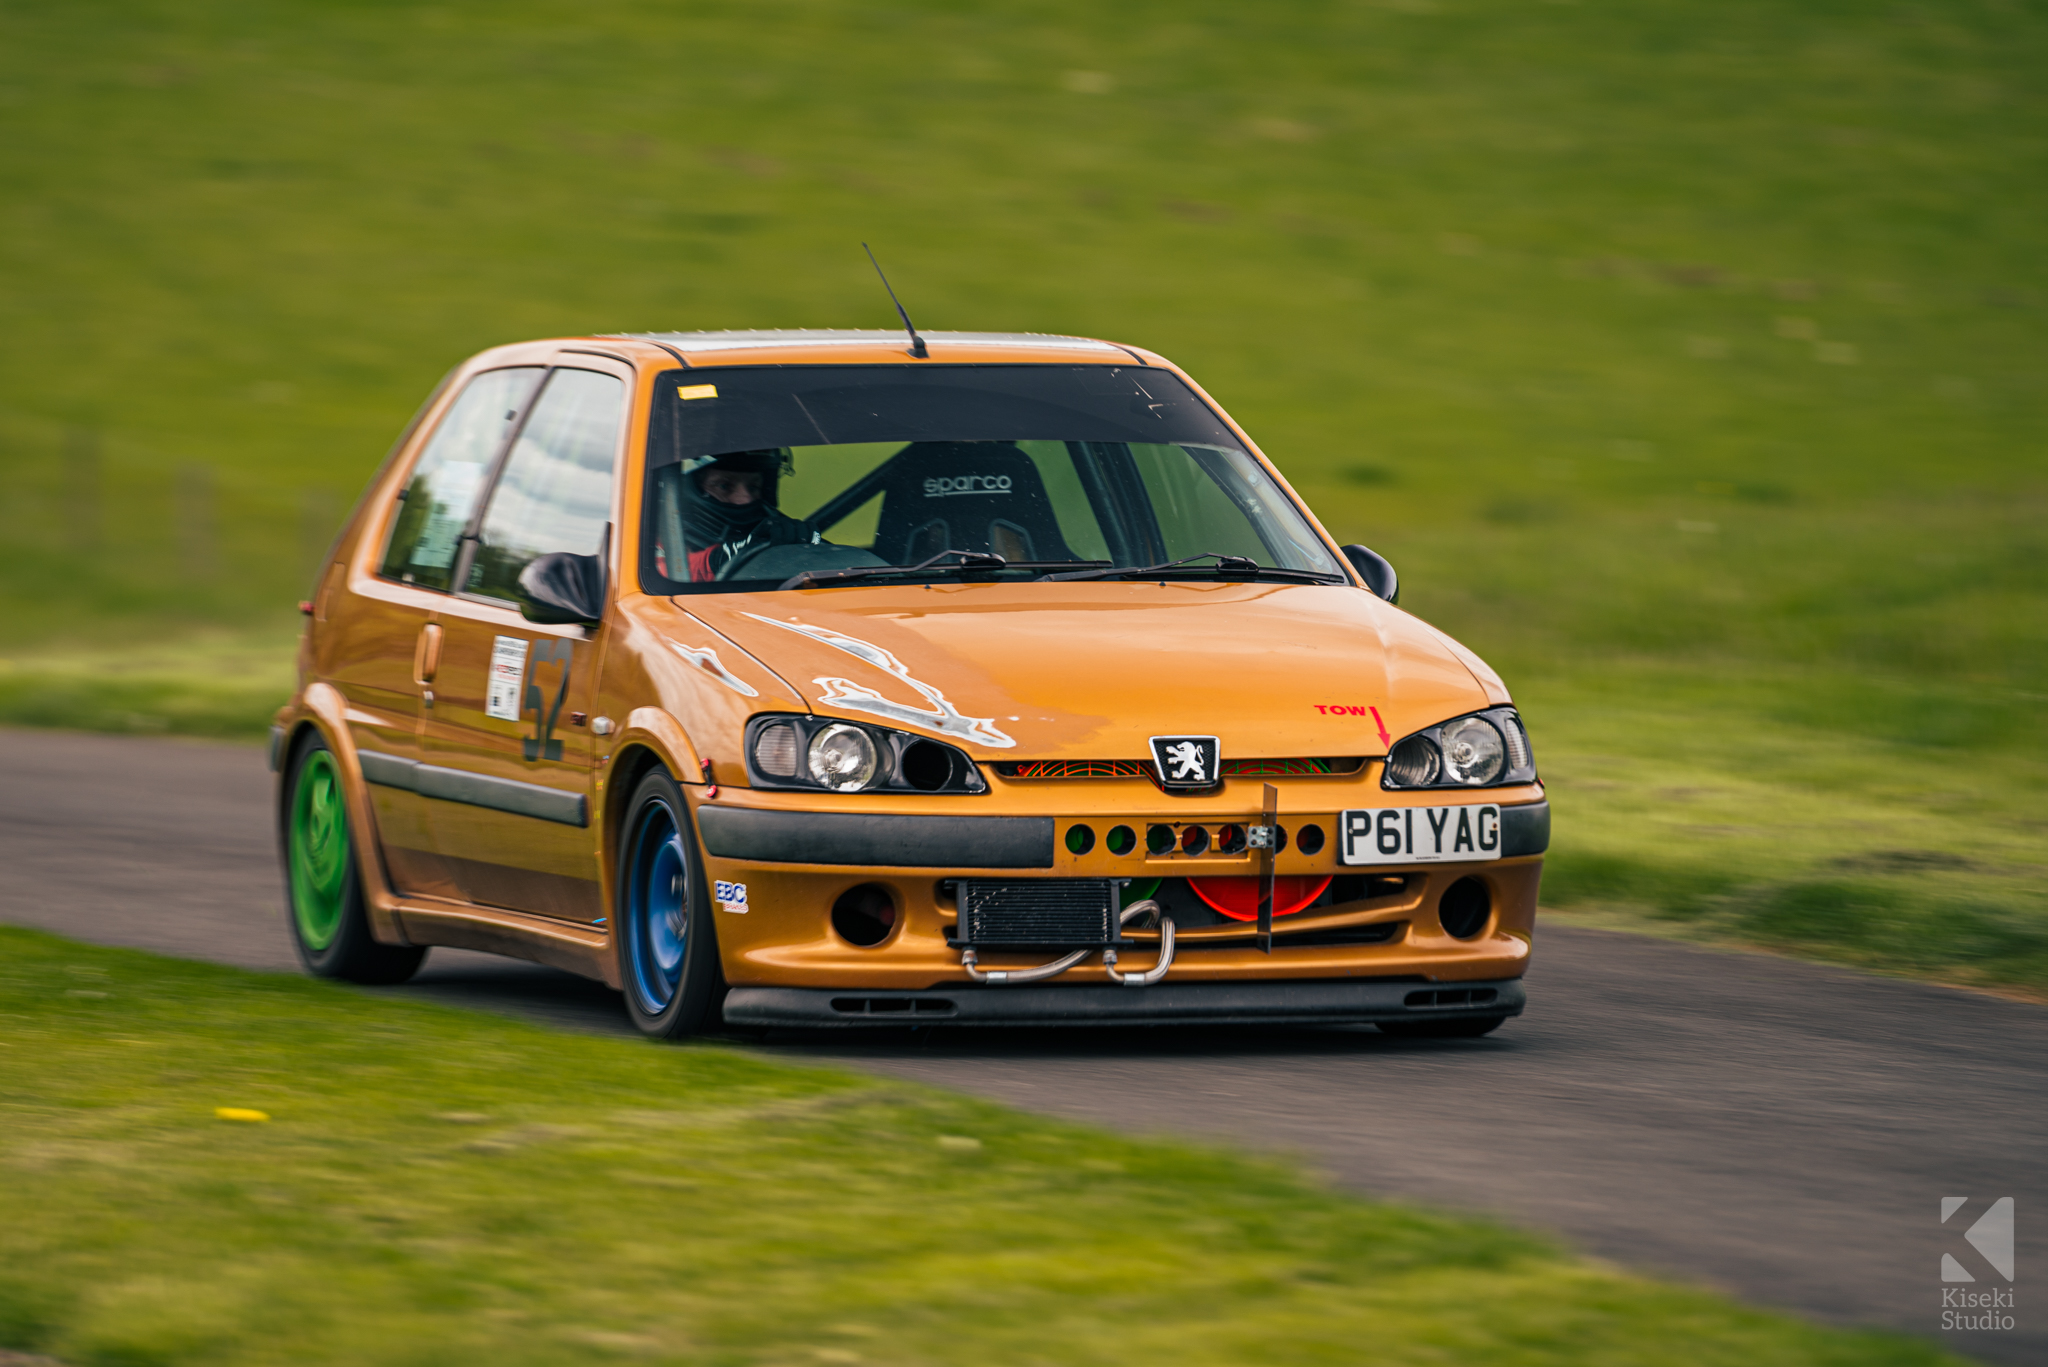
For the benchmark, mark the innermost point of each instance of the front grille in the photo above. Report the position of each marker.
(1077, 768)
(1049, 913)
(1142, 768)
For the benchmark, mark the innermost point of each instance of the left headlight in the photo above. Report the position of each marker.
(1481, 750)
(842, 758)
(825, 753)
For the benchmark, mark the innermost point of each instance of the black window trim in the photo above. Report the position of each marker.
(463, 554)
(466, 544)
(841, 507)
(472, 533)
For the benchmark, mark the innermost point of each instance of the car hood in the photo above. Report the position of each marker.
(1092, 671)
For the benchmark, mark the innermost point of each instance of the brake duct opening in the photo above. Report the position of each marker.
(970, 962)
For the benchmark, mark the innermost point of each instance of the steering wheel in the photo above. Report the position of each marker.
(781, 562)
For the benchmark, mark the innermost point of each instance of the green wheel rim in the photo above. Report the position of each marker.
(319, 851)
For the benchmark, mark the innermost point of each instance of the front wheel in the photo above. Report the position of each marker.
(668, 953)
(330, 925)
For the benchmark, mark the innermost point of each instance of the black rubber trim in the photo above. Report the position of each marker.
(475, 790)
(276, 748)
(918, 842)
(388, 771)
(1524, 829)
(1318, 1001)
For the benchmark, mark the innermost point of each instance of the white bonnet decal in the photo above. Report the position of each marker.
(941, 717)
(707, 660)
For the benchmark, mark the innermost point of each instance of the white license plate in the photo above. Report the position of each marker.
(1419, 835)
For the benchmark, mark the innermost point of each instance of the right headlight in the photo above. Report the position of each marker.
(1481, 750)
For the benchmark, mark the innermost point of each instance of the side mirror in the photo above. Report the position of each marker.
(1373, 568)
(563, 589)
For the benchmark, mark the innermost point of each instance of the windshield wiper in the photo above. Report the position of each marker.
(1227, 566)
(968, 562)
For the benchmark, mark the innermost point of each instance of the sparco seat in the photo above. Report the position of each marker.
(966, 496)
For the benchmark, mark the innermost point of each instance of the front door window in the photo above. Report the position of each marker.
(556, 492)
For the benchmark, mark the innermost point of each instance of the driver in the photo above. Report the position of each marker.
(732, 512)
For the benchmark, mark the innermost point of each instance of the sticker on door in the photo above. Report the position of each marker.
(508, 672)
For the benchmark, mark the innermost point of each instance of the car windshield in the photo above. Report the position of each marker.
(759, 475)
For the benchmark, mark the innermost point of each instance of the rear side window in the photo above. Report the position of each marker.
(450, 475)
(556, 490)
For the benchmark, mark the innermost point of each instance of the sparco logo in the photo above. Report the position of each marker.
(1991, 1237)
(946, 486)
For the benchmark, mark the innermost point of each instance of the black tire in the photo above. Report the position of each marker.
(662, 930)
(323, 890)
(1458, 1027)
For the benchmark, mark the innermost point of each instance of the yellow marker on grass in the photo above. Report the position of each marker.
(247, 1117)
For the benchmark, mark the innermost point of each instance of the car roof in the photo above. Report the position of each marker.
(877, 346)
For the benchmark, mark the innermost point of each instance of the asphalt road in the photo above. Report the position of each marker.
(1779, 1130)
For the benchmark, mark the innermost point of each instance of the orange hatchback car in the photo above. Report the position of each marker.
(800, 679)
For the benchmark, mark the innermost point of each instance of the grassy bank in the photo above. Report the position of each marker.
(434, 1186)
(219, 684)
(1824, 841)
(1685, 357)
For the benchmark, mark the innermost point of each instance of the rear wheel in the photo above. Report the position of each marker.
(1460, 1027)
(323, 889)
(668, 953)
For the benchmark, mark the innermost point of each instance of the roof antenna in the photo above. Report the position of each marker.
(917, 347)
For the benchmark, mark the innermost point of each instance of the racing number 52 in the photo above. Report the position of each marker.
(542, 744)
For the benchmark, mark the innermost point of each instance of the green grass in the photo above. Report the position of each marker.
(441, 1186)
(1916, 858)
(211, 683)
(1685, 356)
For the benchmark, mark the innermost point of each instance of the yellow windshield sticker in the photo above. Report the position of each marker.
(696, 391)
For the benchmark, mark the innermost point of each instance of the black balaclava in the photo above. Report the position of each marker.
(709, 522)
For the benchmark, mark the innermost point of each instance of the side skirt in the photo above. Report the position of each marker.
(584, 950)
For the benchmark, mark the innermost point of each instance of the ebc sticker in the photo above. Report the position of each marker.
(731, 897)
(1419, 835)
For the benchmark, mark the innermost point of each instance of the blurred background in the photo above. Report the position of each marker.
(1686, 357)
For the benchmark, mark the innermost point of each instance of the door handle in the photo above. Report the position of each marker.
(426, 654)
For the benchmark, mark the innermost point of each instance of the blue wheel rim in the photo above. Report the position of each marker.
(657, 909)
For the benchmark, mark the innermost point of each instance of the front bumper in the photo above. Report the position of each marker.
(984, 842)
(1296, 1002)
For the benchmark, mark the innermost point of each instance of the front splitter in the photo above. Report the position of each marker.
(1322, 1001)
